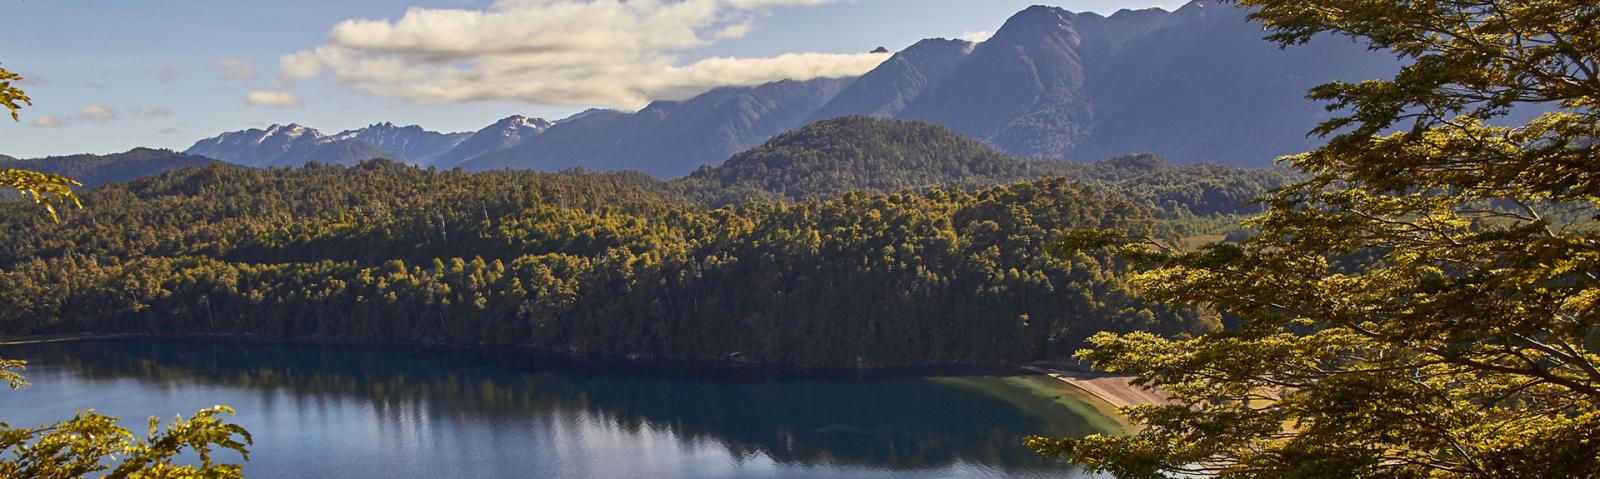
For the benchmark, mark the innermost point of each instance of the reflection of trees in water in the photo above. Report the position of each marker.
(898, 423)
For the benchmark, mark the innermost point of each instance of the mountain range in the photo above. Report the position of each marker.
(295, 144)
(1197, 83)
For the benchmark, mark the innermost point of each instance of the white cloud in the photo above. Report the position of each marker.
(273, 98)
(97, 113)
(236, 69)
(977, 37)
(573, 52)
(153, 111)
(299, 65)
(48, 122)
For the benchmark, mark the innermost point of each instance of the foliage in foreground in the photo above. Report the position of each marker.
(1426, 304)
(92, 443)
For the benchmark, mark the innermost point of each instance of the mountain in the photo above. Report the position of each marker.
(1205, 86)
(887, 90)
(670, 138)
(96, 170)
(278, 145)
(295, 144)
(1195, 84)
(505, 133)
(1021, 90)
(337, 152)
(413, 142)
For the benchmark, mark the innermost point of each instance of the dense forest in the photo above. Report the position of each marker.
(617, 264)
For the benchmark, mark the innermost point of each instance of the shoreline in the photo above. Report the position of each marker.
(666, 366)
(1117, 391)
(1104, 393)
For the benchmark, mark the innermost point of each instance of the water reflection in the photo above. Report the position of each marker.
(386, 412)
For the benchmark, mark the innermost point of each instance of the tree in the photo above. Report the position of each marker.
(12, 97)
(91, 442)
(1425, 305)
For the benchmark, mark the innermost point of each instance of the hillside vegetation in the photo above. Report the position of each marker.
(614, 264)
(829, 158)
(852, 243)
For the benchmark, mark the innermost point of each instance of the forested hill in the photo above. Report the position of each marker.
(615, 264)
(859, 154)
(95, 170)
(855, 153)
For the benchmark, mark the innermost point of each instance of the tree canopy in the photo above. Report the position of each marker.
(10, 96)
(614, 264)
(1425, 304)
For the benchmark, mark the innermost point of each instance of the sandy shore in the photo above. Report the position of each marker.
(1116, 390)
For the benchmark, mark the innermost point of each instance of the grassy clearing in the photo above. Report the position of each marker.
(1069, 411)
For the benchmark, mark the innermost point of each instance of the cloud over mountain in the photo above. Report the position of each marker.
(273, 98)
(581, 52)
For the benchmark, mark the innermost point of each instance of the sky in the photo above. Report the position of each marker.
(108, 76)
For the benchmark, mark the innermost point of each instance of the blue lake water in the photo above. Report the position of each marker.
(396, 413)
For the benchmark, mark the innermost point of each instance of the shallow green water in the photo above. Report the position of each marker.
(396, 413)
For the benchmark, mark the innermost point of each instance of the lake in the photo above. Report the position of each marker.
(397, 413)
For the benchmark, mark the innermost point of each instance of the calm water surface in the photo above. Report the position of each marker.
(372, 412)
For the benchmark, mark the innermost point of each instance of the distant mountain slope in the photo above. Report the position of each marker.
(669, 139)
(1021, 90)
(274, 146)
(887, 90)
(413, 142)
(1195, 84)
(1205, 86)
(96, 170)
(506, 133)
(295, 144)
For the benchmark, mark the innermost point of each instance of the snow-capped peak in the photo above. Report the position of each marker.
(290, 131)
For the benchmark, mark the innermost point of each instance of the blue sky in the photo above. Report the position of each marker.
(108, 76)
